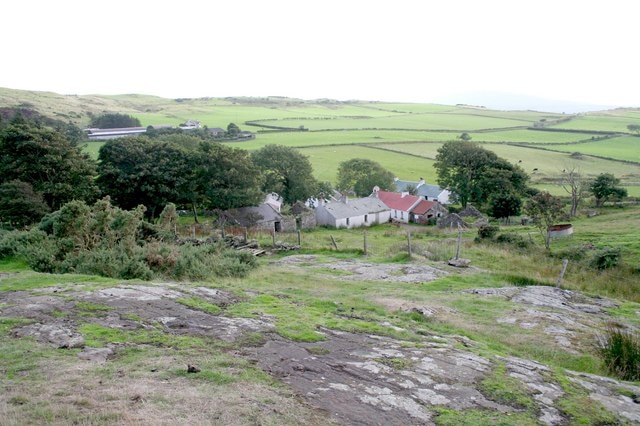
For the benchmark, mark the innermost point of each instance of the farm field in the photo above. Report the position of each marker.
(408, 134)
(625, 148)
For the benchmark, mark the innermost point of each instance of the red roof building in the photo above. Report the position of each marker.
(400, 204)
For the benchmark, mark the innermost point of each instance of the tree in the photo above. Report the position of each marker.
(114, 121)
(634, 128)
(361, 175)
(604, 188)
(233, 130)
(465, 137)
(505, 205)
(545, 210)
(226, 178)
(20, 205)
(286, 171)
(474, 174)
(573, 183)
(137, 170)
(48, 161)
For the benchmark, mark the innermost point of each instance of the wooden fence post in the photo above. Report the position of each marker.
(409, 243)
(333, 241)
(366, 248)
(299, 238)
(565, 262)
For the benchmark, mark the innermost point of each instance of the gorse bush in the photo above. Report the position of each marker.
(620, 351)
(105, 240)
(608, 257)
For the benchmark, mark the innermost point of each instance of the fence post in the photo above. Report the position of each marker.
(333, 241)
(409, 243)
(458, 242)
(565, 262)
(273, 236)
(299, 238)
(366, 248)
(193, 231)
(245, 234)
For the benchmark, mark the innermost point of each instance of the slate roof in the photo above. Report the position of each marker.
(424, 190)
(249, 216)
(355, 207)
(397, 201)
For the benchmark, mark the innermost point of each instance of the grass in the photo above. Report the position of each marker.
(200, 304)
(620, 352)
(503, 389)
(405, 135)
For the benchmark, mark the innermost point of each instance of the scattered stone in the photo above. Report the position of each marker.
(58, 335)
(95, 354)
(192, 369)
(459, 262)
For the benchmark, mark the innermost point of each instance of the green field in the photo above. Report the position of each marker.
(407, 135)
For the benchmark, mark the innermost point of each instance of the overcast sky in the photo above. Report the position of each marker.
(417, 51)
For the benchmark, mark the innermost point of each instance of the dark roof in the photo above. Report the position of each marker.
(424, 190)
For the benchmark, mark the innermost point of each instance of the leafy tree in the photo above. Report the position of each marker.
(545, 210)
(505, 205)
(465, 136)
(114, 121)
(474, 174)
(361, 175)
(287, 172)
(605, 188)
(45, 158)
(20, 205)
(226, 178)
(233, 129)
(634, 128)
(137, 170)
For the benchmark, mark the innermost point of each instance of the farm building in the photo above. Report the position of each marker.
(427, 211)
(115, 133)
(263, 217)
(424, 190)
(400, 204)
(352, 213)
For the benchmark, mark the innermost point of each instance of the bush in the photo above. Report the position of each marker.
(608, 257)
(13, 241)
(620, 352)
(487, 232)
(516, 240)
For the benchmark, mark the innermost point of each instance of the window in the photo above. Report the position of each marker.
(366, 218)
(347, 221)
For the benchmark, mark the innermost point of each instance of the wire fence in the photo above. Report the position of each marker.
(387, 241)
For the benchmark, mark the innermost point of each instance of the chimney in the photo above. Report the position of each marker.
(376, 189)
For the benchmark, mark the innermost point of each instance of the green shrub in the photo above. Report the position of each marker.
(516, 240)
(487, 232)
(13, 241)
(608, 257)
(620, 352)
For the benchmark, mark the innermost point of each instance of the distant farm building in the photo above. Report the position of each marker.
(424, 190)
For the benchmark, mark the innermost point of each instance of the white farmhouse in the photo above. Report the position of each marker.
(353, 213)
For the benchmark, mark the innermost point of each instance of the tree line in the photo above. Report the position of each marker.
(41, 169)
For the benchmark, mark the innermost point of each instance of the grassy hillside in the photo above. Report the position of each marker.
(402, 137)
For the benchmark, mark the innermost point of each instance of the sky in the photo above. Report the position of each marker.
(454, 51)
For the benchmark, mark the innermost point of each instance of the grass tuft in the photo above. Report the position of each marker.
(620, 351)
